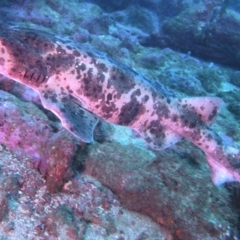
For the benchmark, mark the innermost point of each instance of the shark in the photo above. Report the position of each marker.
(81, 85)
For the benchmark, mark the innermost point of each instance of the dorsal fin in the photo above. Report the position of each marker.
(206, 108)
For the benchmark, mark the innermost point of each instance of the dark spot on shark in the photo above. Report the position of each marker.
(48, 94)
(16, 54)
(81, 112)
(157, 131)
(109, 97)
(192, 124)
(155, 96)
(196, 135)
(69, 89)
(53, 98)
(90, 54)
(63, 109)
(136, 93)
(161, 109)
(56, 63)
(65, 99)
(122, 81)
(83, 67)
(50, 57)
(209, 137)
(2, 61)
(61, 50)
(145, 98)
(175, 118)
(185, 121)
(14, 70)
(80, 67)
(45, 95)
(128, 112)
(76, 53)
(101, 67)
(100, 77)
(91, 88)
(108, 109)
(213, 114)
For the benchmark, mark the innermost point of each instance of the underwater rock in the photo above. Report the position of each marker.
(234, 78)
(3, 205)
(178, 72)
(192, 30)
(82, 205)
(132, 25)
(62, 222)
(140, 18)
(158, 186)
(114, 5)
(25, 129)
(9, 187)
(59, 160)
(234, 108)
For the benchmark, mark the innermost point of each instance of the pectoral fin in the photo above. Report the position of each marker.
(73, 117)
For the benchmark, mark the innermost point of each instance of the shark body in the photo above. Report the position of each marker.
(81, 85)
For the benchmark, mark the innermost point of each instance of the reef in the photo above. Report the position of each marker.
(55, 187)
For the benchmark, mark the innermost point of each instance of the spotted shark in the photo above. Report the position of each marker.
(81, 85)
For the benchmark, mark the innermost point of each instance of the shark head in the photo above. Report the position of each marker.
(31, 57)
(22, 57)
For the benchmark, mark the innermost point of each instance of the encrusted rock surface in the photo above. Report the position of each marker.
(54, 187)
(83, 209)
